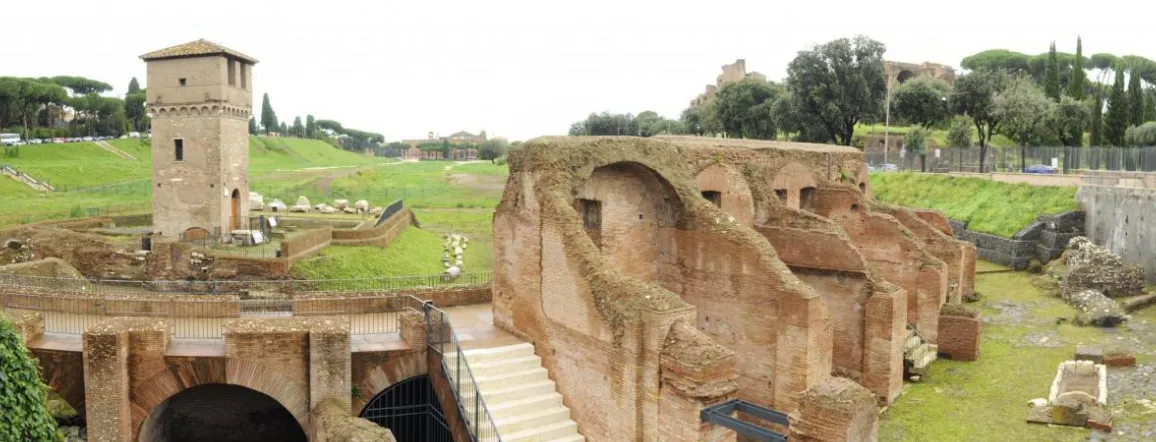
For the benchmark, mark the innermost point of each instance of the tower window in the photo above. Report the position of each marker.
(714, 197)
(591, 212)
(182, 82)
(232, 73)
(244, 76)
(179, 149)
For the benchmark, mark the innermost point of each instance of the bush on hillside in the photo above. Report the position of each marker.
(25, 413)
(1141, 136)
(916, 139)
(959, 135)
(987, 206)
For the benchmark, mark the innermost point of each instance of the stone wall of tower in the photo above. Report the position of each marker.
(204, 103)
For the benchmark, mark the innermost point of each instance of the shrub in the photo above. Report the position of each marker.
(25, 413)
(959, 135)
(1141, 136)
(916, 139)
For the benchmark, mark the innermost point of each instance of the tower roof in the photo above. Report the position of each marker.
(199, 48)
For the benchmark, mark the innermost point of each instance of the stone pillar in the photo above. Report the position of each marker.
(959, 334)
(329, 366)
(885, 331)
(836, 410)
(28, 326)
(106, 384)
(696, 373)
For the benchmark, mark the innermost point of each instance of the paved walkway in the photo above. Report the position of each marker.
(474, 325)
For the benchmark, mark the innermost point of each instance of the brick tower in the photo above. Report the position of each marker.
(200, 99)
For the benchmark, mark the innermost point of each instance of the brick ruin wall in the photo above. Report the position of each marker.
(602, 244)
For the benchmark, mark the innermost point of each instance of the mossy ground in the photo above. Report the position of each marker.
(414, 252)
(1022, 343)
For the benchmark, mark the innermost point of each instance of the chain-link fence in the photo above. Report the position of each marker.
(1045, 159)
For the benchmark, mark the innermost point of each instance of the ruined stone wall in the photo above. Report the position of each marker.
(379, 236)
(1116, 218)
(894, 252)
(959, 256)
(554, 286)
(307, 243)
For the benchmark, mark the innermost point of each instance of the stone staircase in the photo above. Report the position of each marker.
(523, 402)
(113, 149)
(26, 179)
(918, 354)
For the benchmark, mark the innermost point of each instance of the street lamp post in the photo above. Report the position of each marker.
(887, 121)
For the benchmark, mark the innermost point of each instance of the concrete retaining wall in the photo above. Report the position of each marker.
(1117, 218)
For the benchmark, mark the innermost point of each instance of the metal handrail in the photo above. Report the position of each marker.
(224, 287)
(481, 412)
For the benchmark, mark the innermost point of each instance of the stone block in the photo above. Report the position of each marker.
(1089, 353)
(959, 337)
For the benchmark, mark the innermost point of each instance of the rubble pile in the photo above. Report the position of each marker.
(455, 244)
(1093, 267)
(1095, 308)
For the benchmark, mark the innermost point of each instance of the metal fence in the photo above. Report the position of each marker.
(48, 285)
(1011, 159)
(206, 318)
(472, 407)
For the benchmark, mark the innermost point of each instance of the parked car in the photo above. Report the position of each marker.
(1040, 169)
(86, 139)
(34, 141)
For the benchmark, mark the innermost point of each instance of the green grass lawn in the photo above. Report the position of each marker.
(475, 224)
(986, 400)
(988, 206)
(414, 252)
(91, 181)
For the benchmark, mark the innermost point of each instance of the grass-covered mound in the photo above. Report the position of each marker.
(414, 252)
(988, 206)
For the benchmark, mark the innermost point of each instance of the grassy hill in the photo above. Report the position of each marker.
(988, 206)
(414, 252)
(91, 180)
(938, 136)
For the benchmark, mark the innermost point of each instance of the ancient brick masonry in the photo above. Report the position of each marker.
(606, 249)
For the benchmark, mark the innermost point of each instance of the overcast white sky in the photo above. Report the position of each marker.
(525, 68)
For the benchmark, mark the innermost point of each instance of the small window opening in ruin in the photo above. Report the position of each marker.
(714, 197)
(591, 212)
(807, 198)
(212, 186)
(854, 207)
(782, 194)
(179, 149)
(863, 187)
(244, 76)
(640, 217)
(182, 82)
(232, 72)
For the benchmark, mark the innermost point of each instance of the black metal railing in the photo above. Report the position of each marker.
(1013, 159)
(723, 415)
(27, 284)
(472, 407)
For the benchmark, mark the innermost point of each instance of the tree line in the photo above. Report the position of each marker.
(1046, 99)
(329, 131)
(35, 107)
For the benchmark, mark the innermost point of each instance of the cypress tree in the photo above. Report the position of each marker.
(252, 127)
(1150, 105)
(268, 117)
(1052, 75)
(133, 86)
(1076, 81)
(1095, 138)
(1135, 97)
(1117, 119)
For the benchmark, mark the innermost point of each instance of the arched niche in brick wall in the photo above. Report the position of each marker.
(789, 183)
(625, 206)
(220, 412)
(726, 188)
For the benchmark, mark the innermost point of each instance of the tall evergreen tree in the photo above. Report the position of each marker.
(1150, 105)
(1095, 137)
(298, 128)
(268, 117)
(252, 127)
(310, 126)
(1135, 97)
(1078, 77)
(1052, 75)
(1117, 119)
(133, 86)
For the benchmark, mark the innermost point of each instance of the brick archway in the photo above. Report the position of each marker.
(147, 395)
(379, 377)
